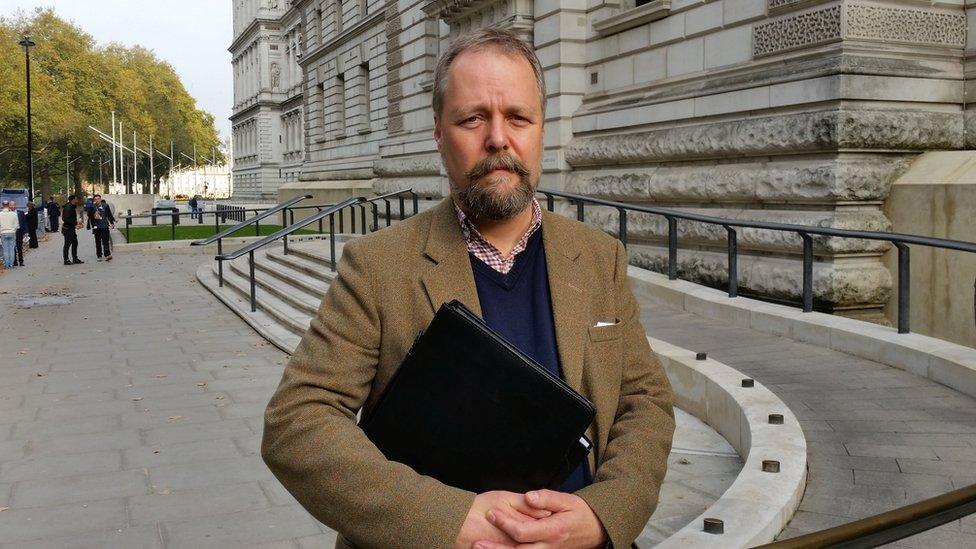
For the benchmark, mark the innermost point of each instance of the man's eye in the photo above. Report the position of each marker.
(470, 120)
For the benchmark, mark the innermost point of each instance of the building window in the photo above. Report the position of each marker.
(340, 105)
(364, 99)
(320, 92)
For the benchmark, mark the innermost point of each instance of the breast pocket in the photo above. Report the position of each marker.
(604, 333)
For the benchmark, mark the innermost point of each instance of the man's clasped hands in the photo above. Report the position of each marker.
(534, 520)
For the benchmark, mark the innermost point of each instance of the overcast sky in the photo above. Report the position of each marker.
(192, 35)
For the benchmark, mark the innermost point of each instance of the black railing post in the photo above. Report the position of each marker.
(416, 202)
(250, 261)
(389, 219)
(623, 226)
(362, 212)
(319, 210)
(216, 223)
(807, 272)
(172, 226)
(733, 263)
(352, 219)
(550, 202)
(220, 263)
(376, 217)
(199, 218)
(128, 223)
(257, 228)
(332, 264)
(401, 207)
(579, 210)
(285, 244)
(672, 248)
(904, 288)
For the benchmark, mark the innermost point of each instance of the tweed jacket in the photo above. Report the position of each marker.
(388, 287)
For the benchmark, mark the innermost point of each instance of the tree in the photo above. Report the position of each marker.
(74, 84)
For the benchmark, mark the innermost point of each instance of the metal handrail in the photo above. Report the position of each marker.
(889, 526)
(901, 241)
(256, 219)
(329, 212)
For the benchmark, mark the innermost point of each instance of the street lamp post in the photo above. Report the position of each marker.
(27, 43)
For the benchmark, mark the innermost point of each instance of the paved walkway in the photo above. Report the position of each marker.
(878, 438)
(141, 429)
(105, 403)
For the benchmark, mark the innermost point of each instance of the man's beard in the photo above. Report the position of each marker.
(484, 200)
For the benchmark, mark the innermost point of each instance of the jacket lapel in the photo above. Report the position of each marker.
(568, 296)
(450, 276)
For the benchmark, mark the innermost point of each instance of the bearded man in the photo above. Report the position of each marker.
(555, 288)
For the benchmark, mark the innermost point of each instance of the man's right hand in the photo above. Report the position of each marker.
(476, 526)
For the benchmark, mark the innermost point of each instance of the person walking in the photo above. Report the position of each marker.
(53, 214)
(70, 223)
(32, 218)
(192, 206)
(8, 232)
(101, 221)
(21, 231)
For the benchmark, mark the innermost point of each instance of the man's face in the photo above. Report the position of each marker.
(489, 133)
(97, 199)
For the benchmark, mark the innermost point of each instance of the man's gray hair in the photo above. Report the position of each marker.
(489, 38)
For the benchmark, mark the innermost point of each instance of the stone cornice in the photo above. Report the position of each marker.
(245, 35)
(651, 11)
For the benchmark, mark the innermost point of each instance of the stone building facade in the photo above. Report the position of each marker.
(799, 111)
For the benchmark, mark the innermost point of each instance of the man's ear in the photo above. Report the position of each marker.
(438, 134)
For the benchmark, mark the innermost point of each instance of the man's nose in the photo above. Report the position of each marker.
(497, 139)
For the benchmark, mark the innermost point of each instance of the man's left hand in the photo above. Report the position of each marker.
(571, 525)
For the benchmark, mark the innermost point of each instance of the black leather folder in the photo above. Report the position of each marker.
(469, 409)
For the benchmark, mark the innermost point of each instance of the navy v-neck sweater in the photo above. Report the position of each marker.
(518, 306)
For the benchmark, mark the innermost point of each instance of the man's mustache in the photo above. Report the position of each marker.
(496, 162)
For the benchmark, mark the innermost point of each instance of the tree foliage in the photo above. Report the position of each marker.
(76, 83)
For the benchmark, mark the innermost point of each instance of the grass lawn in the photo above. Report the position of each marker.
(196, 231)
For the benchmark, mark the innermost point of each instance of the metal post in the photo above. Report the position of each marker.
(115, 177)
(172, 224)
(122, 159)
(415, 204)
(904, 288)
(401, 206)
(388, 219)
(319, 210)
(220, 262)
(733, 263)
(622, 230)
(807, 272)
(26, 42)
(376, 224)
(128, 222)
(579, 211)
(352, 219)
(250, 261)
(216, 221)
(672, 248)
(362, 211)
(550, 202)
(152, 168)
(285, 244)
(135, 161)
(332, 265)
(257, 228)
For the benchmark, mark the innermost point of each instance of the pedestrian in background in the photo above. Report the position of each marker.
(53, 214)
(21, 232)
(192, 206)
(70, 223)
(8, 232)
(101, 221)
(31, 216)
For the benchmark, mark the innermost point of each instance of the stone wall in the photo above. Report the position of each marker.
(803, 111)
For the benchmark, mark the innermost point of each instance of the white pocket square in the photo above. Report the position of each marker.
(601, 324)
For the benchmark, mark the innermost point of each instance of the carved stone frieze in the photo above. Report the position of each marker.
(409, 165)
(908, 25)
(857, 21)
(835, 284)
(654, 228)
(785, 134)
(767, 182)
(797, 31)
